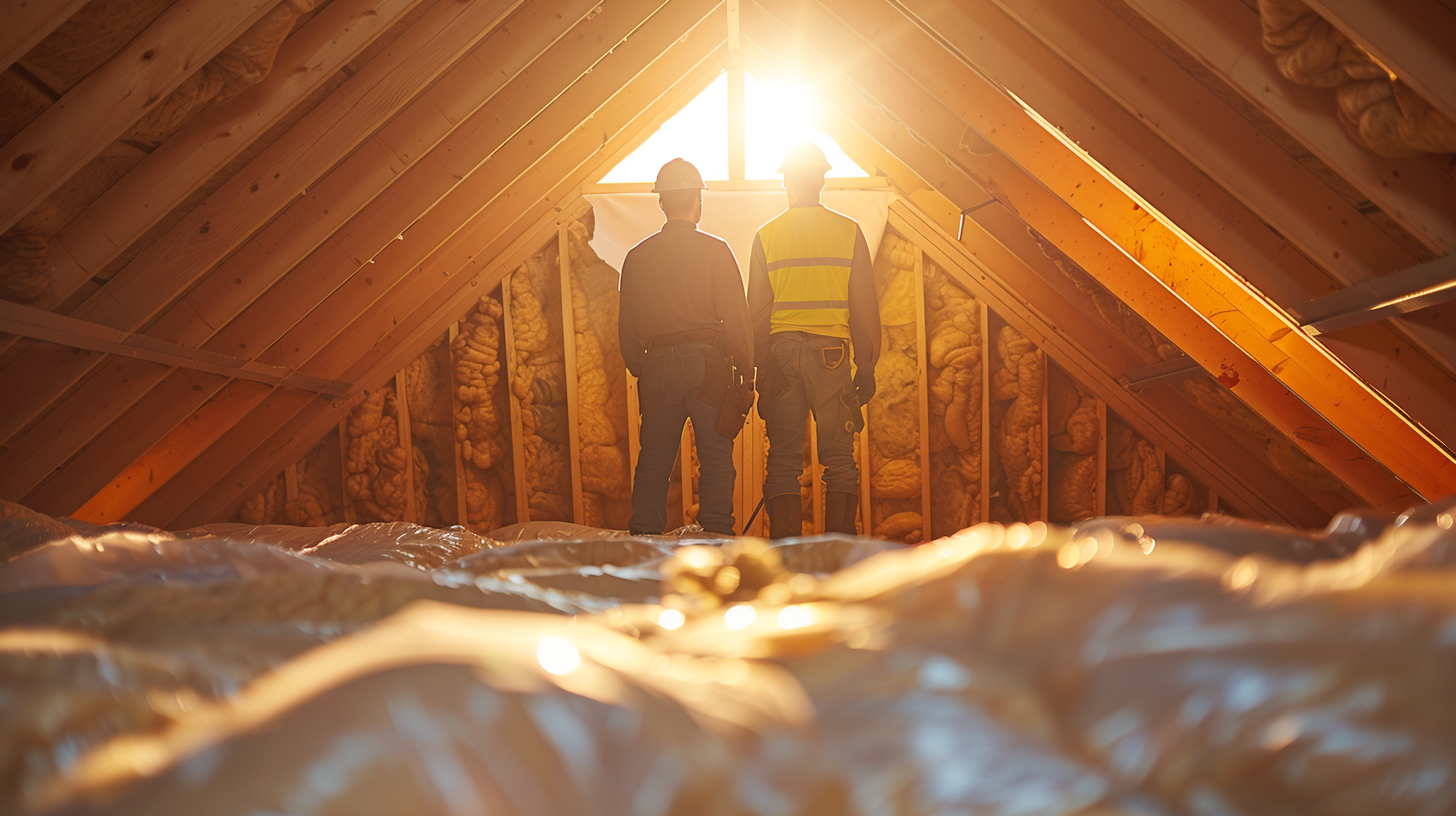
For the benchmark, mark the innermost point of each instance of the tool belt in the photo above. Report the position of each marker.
(694, 336)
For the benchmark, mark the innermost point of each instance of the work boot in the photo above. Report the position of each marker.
(839, 512)
(785, 516)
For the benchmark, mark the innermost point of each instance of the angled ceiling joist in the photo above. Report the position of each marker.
(1223, 39)
(1203, 166)
(527, 91)
(102, 106)
(228, 217)
(1415, 39)
(528, 194)
(1100, 226)
(1011, 273)
(186, 160)
(28, 24)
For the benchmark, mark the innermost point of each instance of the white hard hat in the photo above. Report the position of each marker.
(678, 175)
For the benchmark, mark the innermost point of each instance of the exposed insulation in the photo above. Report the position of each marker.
(481, 417)
(540, 384)
(1378, 110)
(601, 405)
(954, 368)
(1073, 433)
(1016, 391)
(375, 459)
(894, 431)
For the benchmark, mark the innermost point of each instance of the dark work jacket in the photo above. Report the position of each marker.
(677, 280)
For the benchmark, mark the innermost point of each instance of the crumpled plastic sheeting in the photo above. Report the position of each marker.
(1112, 669)
(413, 545)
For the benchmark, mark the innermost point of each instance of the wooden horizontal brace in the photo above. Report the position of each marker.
(26, 24)
(1419, 287)
(50, 327)
(1163, 371)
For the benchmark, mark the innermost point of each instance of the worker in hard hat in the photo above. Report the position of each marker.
(683, 329)
(816, 327)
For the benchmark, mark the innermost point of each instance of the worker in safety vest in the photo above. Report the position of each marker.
(816, 328)
(683, 329)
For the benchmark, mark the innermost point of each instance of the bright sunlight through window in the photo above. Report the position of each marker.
(776, 116)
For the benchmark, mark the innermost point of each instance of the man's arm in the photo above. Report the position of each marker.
(627, 338)
(864, 306)
(760, 300)
(732, 308)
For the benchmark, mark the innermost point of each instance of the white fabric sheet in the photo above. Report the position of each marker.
(624, 219)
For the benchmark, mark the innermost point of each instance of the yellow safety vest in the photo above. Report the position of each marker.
(809, 251)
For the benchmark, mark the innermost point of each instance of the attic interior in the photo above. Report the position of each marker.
(308, 314)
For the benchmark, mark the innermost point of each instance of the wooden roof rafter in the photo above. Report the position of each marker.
(1098, 224)
(529, 196)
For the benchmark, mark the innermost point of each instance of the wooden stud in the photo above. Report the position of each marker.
(290, 482)
(865, 507)
(737, 152)
(1414, 39)
(685, 459)
(101, 107)
(406, 440)
(1100, 507)
(1045, 434)
(634, 424)
(740, 484)
(986, 350)
(518, 434)
(462, 513)
(568, 339)
(922, 354)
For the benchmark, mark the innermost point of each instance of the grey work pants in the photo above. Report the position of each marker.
(810, 385)
(667, 393)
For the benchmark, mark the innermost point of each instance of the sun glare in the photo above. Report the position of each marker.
(776, 116)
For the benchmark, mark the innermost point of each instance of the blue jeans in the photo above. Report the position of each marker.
(667, 394)
(810, 385)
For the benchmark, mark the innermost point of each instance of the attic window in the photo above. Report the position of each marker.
(775, 117)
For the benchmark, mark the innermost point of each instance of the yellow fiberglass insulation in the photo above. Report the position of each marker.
(954, 366)
(375, 459)
(601, 391)
(1137, 482)
(894, 428)
(480, 416)
(1018, 385)
(1074, 431)
(539, 384)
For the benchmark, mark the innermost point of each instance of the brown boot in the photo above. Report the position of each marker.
(839, 512)
(785, 516)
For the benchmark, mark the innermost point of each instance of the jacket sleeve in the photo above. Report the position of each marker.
(864, 306)
(732, 307)
(760, 299)
(627, 338)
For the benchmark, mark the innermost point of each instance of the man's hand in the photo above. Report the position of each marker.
(864, 384)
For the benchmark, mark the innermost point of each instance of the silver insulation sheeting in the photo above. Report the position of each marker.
(1117, 666)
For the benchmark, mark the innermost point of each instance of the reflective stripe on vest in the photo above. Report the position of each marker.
(808, 251)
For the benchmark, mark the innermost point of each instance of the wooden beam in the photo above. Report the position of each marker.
(1414, 39)
(256, 193)
(209, 141)
(1191, 166)
(27, 23)
(223, 497)
(573, 400)
(159, 464)
(816, 477)
(26, 321)
(685, 474)
(517, 429)
(985, 339)
(737, 138)
(407, 441)
(462, 514)
(1191, 297)
(1100, 504)
(1223, 39)
(922, 380)
(111, 98)
(866, 510)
